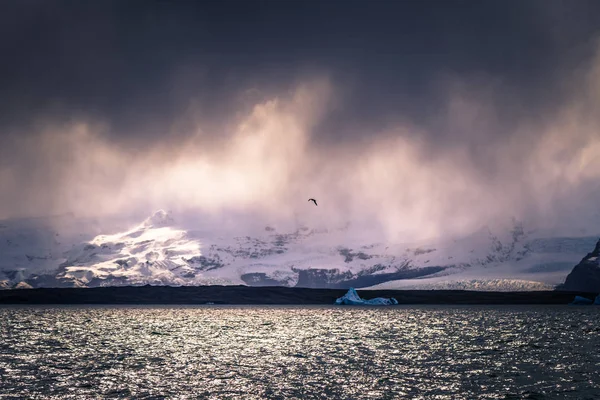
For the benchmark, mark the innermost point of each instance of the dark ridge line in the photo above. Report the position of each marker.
(248, 295)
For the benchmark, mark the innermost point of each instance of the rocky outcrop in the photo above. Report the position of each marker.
(585, 277)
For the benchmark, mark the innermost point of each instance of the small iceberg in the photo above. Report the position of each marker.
(597, 301)
(353, 299)
(580, 301)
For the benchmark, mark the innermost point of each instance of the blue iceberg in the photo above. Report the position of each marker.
(353, 299)
(597, 301)
(580, 301)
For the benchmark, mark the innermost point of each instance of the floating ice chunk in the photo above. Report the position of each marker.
(597, 301)
(352, 298)
(579, 301)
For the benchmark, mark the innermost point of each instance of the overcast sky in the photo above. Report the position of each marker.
(420, 117)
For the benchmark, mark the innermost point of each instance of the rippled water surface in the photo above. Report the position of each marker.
(300, 352)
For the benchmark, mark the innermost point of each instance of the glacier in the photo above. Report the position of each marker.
(66, 251)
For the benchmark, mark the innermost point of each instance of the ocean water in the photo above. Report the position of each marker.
(283, 352)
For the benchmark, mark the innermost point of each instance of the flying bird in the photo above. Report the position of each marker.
(314, 201)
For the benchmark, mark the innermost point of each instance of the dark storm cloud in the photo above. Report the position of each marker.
(420, 117)
(138, 64)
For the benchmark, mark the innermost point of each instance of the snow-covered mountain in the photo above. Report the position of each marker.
(53, 253)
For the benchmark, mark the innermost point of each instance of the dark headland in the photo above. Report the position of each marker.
(268, 295)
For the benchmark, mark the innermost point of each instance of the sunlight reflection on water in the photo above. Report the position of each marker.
(429, 352)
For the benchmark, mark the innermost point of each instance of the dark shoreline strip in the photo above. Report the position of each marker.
(269, 295)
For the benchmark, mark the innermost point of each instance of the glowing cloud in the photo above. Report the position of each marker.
(401, 183)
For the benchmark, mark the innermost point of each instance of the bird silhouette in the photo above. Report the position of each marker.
(314, 201)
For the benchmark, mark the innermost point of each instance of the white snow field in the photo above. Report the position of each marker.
(57, 251)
